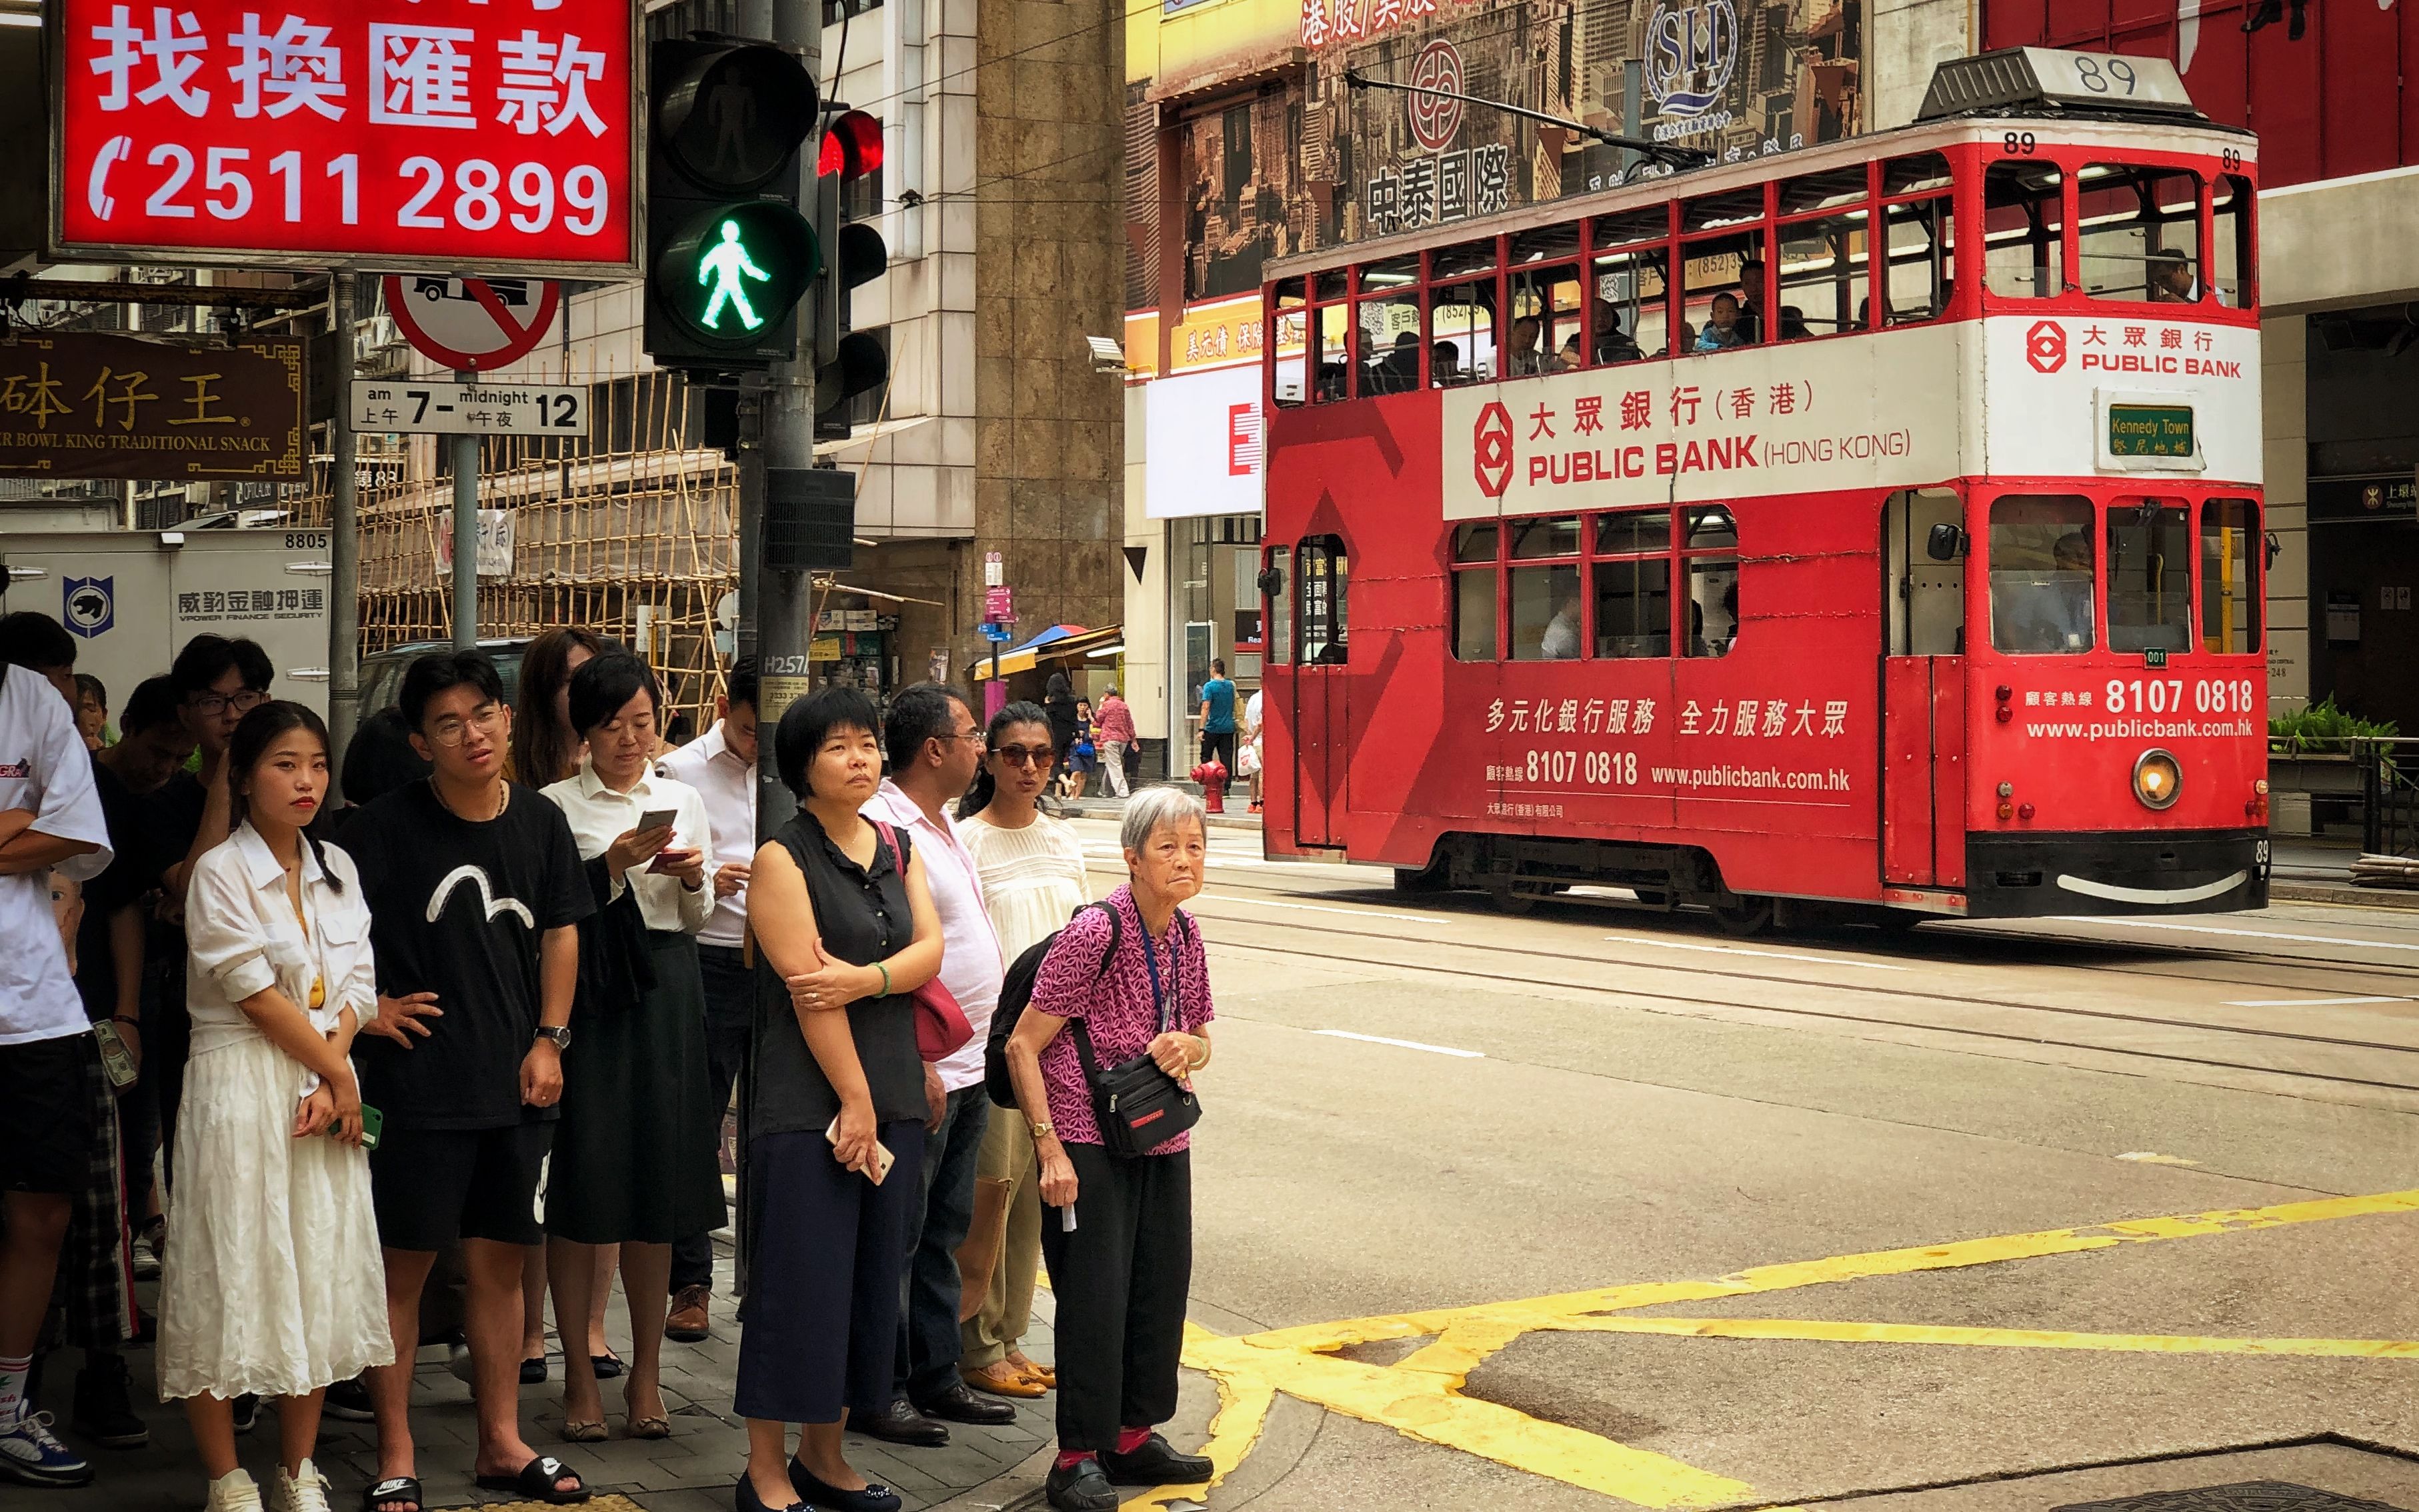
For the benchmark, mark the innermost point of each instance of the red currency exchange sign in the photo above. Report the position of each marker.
(444, 135)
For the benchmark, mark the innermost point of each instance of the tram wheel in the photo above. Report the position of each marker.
(1417, 879)
(1507, 901)
(1894, 920)
(1739, 915)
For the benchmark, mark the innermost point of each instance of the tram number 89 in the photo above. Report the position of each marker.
(2166, 695)
(1602, 767)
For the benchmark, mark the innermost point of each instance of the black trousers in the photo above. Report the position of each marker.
(730, 998)
(1221, 746)
(1121, 1279)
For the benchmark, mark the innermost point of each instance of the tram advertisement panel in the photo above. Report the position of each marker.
(2076, 395)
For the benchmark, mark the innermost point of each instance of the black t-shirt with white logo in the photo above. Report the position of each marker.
(457, 908)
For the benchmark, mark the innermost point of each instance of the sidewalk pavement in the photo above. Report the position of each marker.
(693, 1470)
(1103, 806)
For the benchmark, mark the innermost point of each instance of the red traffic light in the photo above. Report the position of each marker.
(851, 146)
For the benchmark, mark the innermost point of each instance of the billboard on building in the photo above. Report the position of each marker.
(1205, 454)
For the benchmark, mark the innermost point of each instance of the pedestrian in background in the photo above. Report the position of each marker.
(1118, 1231)
(1253, 749)
(1218, 718)
(1082, 755)
(935, 747)
(92, 711)
(720, 765)
(832, 1110)
(633, 1155)
(1032, 866)
(49, 818)
(1116, 730)
(271, 1284)
(1059, 698)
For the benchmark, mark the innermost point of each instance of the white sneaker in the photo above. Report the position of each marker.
(306, 1490)
(29, 1452)
(235, 1491)
(146, 1263)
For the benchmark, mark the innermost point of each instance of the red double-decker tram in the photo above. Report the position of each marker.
(1878, 526)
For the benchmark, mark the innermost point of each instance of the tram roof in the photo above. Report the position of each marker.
(2054, 127)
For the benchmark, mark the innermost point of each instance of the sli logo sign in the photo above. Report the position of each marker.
(2045, 346)
(90, 605)
(1692, 49)
(1490, 441)
(1434, 118)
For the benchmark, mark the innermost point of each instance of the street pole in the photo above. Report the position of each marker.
(466, 531)
(344, 542)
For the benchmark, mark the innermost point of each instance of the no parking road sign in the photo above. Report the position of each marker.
(472, 324)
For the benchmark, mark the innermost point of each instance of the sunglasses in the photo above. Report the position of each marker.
(1025, 755)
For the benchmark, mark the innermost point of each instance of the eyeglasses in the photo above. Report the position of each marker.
(450, 733)
(216, 704)
(1025, 755)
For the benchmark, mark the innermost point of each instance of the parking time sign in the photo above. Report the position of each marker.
(407, 135)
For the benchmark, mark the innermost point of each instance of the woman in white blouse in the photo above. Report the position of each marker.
(272, 1281)
(1032, 868)
(633, 1159)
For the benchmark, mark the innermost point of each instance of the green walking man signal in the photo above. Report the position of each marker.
(725, 264)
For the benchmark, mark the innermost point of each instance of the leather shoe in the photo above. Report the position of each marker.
(820, 1495)
(899, 1423)
(1001, 1378)
(687, 1324)
(1081, 1488)
(956, 1404)
(1156, 1463)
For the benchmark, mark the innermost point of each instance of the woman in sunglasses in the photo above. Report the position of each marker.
(1032, 866)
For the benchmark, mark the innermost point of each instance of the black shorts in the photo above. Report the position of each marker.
(433, 1186)
(46, 1115)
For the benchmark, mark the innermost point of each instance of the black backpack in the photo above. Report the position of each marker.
(1016, 990)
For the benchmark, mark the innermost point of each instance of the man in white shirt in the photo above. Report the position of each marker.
(933, 745)
(721, 766)
(49, 818)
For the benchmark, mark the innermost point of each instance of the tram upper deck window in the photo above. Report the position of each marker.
(2024, 214)
(1389, 318)
(2137, 233)
(1545, 592)
(2233, 258)
(1731, 207)
(1825, 287)
(1461, 341)
(1630, 279)
(1544, 336)
(2230, 560)
(2042, 574)
(1334, 354)
(1919, 242)
(2149, 575)
(1290, 322)
(1920, 173)
(1723, 286)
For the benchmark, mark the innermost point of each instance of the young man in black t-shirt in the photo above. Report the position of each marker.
(475, 890)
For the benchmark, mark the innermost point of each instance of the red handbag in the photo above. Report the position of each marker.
(941, 1026)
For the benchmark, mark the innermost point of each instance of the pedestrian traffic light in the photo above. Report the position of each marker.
(729, 254)
(847, 363)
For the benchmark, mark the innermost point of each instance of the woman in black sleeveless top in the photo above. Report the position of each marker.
(845, 930)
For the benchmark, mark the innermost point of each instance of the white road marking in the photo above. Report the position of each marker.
(2147, 1157)
(2121, 923)
(1326, 908)
(1403, 1044)
(2308, 1002)
(1769, 955)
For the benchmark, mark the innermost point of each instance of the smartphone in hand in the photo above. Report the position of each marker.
(882, 1159)
(657, 819)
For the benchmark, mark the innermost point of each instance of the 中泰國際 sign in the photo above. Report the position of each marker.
(494, 134)
(89, 404)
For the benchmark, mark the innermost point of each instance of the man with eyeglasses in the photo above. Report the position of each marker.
(476, 890)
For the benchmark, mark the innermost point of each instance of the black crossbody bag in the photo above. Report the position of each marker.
(1137, 1106)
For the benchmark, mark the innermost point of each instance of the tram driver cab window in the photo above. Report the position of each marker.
(2149, 575)
(2041, 575)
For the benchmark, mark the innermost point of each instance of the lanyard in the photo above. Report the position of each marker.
(1160, 1013)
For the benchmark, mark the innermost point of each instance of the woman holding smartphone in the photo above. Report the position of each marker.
(634, 1157)
(273, 1282)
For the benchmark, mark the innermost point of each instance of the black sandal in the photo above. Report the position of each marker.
(393, 1488)
(536, 1482)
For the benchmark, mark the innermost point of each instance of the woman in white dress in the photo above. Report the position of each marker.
(1032, 868)
(272, 1282)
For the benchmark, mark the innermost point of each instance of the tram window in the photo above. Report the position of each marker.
(1461, 340)
(1468, 258)
(2024, 214)
(1473, 614)
(1555, 536)
(1546, 613)
(1280, 607)
(1548, 243)
(1823, 191)
(1922, 259)
(1633, 608)
(1544, 336)
(1624, 228)
(1722, 279)
(2149, 575)
(1630, 531)
(1632, 312)
(1913, 175)
(1390, 328)
(2229, 574)
(1334, 357)
(1290, 323)
(1709, 529)
(1713, 606)
(2042, 574)
(2137, 233)
(1326, 603)
(1824, 282)
(1731, 208)
(1474, 542)
(2231, 256)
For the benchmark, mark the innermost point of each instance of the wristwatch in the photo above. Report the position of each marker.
(561, 1038)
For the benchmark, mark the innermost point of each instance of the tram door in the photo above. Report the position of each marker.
(1923, 689)
(1322, 721)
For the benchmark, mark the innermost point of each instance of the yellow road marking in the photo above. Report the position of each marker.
(1242, 1410)
(1420, 1397)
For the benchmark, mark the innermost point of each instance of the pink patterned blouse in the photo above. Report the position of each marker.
(1116, 1006)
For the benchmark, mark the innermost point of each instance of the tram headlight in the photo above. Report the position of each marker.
(2158, 778)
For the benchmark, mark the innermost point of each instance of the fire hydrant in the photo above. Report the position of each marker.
(1213, 776)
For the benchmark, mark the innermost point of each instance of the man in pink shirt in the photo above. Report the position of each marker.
(934, 744)
(1116, 737)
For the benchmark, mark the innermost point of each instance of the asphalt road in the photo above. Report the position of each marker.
(1593, 1207)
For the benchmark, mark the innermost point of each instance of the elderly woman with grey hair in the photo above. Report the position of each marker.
(1130, 971)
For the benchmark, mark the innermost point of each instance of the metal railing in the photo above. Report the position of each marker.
(2389, 777)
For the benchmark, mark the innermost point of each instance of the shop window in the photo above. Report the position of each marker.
(1291, 321)
(1922, 253)
(2149, 575)
(1281, 606)
(1823, 191)
(1632, 310)
(1722, 284)
(2041, 566)
(1825, 287)
(1326, 600)
(1461, 341)
(1544, 336)
(1334, 356)
(1915, 176)
(2024, 219)
(2230, 560)
(2233, 261)
(2137, 233)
